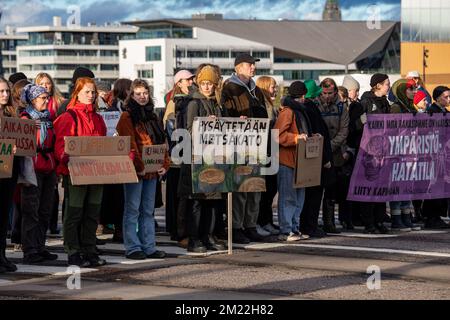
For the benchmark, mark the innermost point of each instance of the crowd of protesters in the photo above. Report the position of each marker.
(29, 200)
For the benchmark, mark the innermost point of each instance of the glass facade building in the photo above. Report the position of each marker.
(425, 20)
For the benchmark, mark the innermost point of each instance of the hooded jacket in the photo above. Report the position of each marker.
(402, 103)
(88, 124)
(240, 99)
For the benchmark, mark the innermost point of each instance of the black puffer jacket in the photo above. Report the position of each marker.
(373, 104)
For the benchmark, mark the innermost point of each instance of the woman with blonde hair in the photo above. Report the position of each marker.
(269, 88)
(55, 97)
(265, 226)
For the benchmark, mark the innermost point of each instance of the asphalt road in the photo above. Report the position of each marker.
(413, 265)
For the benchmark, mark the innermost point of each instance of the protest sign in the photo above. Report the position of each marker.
(97, 146)
(87, 170)
(111, 120)
(308, 167)
(23, 131)
(228, 154)
(6, 157)
(403, 157)
(153, 157)
(100, 160)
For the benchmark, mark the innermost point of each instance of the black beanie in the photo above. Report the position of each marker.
(438, 91)
(81, 72)
(14, 78)
(297, 89)
(378, 78)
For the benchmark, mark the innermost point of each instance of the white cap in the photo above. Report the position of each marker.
(413, 74)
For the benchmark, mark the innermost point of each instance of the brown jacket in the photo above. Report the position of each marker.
(138, 138)
(288, 131)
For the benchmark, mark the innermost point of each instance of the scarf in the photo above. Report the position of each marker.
(45, 122)
(148, 118)
(300, 113)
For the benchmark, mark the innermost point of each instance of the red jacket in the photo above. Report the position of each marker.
(44, 161)
(89, 124)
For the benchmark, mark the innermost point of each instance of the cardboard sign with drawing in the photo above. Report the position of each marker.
(100, 160)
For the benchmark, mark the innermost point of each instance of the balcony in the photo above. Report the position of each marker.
(68, 60)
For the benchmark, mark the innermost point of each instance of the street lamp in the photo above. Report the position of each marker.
(425, 65)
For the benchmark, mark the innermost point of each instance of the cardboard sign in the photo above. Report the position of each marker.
(308, 171)
(89, 170)
(23, 131)
(6, 157)
(313, 147)
(111, 120)
(97, 146)
(153, 157)
(229, 154)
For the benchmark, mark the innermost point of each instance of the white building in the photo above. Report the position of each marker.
(8, 43)
(289, 50)
(58, 50)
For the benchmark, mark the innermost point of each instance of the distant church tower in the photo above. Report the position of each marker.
(332, 12)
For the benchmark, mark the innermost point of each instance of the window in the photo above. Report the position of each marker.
(197, 53)
(261, 54)
(109, 67)
(153, 53)
(109, 53)
(180, 53)
(221, 54)
(145, 74)
(261, 72)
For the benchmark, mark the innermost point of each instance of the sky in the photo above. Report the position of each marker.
(40, 12)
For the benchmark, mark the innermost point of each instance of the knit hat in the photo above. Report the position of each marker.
(411, 84)
(378, 78)
(297, 89)
(419, 96)
(14, 78)
(313, 89)
(350, 83)
(81, 72)
(183, 75)
(438, 91)
(208, 73)
(31, 92)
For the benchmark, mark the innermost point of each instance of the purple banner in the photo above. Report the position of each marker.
(403, 157)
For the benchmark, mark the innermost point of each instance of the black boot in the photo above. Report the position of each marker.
(328, 217)
(212, 245)
(5, 263)
(196, 246)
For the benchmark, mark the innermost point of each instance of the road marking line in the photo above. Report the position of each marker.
(349, 248)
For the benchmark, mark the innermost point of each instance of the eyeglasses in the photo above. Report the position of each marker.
(44, 98)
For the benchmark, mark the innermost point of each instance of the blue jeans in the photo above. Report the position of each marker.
(398, 207)
(139, 214)
(290, 201)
